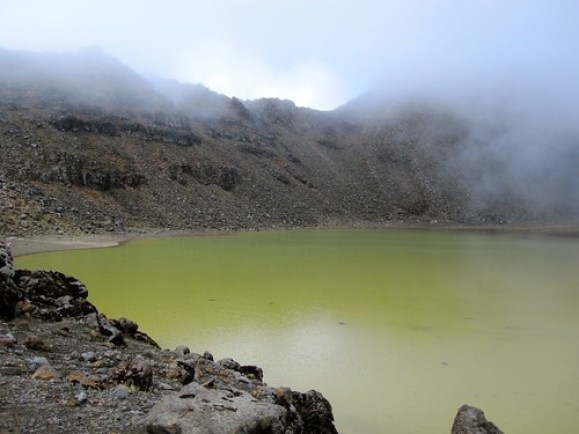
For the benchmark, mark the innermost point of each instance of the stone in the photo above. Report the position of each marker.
(6, 260)
(53, 295)
(164, 386)
(107, 329)
(200, 410)
(121, 392)
(10, 294)
(181, 350)
(229, 363)
(97, 364)
(252, 371)
(7, 342)
(471, 420)
(81, 397)
(138, 374)
(46, 372)
(89, 356)
(220, 398)
(125, 325)
(143, 337)
(207, 355)
(36, 343)
(36, 362)
(315, 411)
(88, 381)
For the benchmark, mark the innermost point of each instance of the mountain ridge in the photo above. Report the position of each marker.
(90, 146)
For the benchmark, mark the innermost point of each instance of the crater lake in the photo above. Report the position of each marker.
(396, 328)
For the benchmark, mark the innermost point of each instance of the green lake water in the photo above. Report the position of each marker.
(396, 328)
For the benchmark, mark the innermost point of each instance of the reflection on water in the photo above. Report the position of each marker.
(397, 329)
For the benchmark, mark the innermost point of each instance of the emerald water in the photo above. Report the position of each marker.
(396, 328)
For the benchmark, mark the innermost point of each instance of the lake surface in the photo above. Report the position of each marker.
(396, 328)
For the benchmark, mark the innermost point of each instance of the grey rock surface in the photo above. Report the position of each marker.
(199, 410)
(471, 420)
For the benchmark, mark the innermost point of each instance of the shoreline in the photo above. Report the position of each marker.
(22, 246)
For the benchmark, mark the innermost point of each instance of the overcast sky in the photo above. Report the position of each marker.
(319, 53)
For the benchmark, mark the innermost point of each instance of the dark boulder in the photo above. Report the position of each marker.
(136, 374)
(131, 329)
(314, 412)
(107, 329)
(471, 420)
(48, 295)
(51, 295)
(228, 398)
(9, 293)
(125, 325)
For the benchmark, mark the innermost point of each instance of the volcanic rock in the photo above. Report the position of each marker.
(471, 420)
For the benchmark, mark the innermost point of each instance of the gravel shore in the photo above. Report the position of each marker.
(47, 243)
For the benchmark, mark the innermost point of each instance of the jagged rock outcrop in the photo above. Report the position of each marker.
(9, 293)
(471, 420)
(51, 295)
(168, 130)
(228, 398)
(54, 296)
(48, 295)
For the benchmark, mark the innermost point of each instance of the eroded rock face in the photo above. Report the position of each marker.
(226, 397)
(221, 398)
(48, 295)
(471, 420)
(6, 261)
(9, 294)
(52, 295)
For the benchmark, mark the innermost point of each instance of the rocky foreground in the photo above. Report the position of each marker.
(66, 368)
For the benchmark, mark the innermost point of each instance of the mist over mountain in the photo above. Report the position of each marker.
(88, 145)
(510, 151)
(87, 78)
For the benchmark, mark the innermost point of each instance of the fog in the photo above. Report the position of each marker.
(509, 147)
(317, 53)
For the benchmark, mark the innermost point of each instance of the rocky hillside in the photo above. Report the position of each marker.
(89, 146)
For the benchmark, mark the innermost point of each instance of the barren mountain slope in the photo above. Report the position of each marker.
(89, 146)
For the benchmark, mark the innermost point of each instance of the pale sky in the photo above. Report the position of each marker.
(318, 53)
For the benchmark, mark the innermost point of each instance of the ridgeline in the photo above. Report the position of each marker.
(89, 146)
